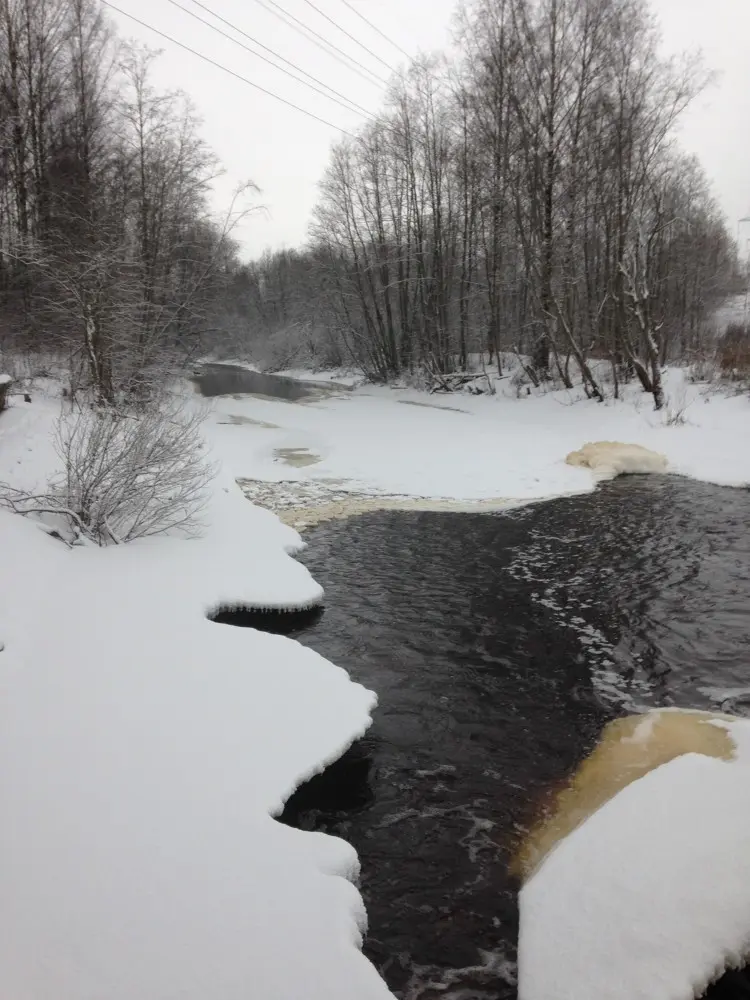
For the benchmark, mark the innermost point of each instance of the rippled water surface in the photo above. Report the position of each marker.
(499, 645)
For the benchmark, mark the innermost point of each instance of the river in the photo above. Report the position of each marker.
(499, 644)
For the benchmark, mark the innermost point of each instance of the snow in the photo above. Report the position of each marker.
(648, 899)
(609, 459)
(143, 752)
(5, 380)
(401, 442)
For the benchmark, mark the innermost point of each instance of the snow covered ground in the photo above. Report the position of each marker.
(399, 442)
(143, 751)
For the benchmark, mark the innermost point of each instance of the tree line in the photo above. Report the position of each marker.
(525, 195)
(110, 257)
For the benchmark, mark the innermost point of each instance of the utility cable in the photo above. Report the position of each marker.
(349, 35)
(320, 40)
(226, 69)
(377, 29)
(344, 102)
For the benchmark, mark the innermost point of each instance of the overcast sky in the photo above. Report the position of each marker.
(285, 152)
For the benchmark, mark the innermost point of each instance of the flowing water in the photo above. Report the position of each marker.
(499, 645)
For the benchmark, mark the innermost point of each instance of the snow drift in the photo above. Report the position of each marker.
(608, 459)
(648, 898)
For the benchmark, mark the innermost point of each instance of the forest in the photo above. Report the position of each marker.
(523, 195)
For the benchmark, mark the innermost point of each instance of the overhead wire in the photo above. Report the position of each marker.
(375, 28)
(350, 35)
(286, 17)
(339, 98)
(225, 69)
(251, 83)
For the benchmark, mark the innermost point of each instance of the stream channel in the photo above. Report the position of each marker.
(499, 644)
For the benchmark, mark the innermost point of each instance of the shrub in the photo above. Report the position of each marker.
(125, 476)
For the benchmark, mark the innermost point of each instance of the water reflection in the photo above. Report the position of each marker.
(226, 380)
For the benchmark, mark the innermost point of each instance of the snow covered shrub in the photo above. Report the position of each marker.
(418, 378)
(677, 402)
(128, 476)
(703, 368)
(300, 345)
(5, 383)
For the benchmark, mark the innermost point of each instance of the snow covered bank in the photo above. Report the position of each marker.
(399, 443)
(143, 751)
(648, 899)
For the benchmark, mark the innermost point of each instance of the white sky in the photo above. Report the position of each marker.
(284, 152)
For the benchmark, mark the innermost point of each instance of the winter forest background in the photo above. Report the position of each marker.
(524, 198)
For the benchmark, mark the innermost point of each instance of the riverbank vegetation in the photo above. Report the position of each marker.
(522, 196)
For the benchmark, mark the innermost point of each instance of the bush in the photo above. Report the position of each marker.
(125, 476)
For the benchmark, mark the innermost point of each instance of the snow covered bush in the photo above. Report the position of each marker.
(127, 476)
(123, 476)
(300, 345)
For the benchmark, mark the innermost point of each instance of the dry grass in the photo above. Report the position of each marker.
(734, 352)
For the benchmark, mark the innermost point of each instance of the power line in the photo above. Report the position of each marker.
(349, 35)
(376, 28)
(344, 102)
(226, 69)
(286, 17)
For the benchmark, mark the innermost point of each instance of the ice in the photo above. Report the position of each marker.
(500, 448)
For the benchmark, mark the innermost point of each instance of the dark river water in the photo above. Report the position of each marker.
(499, 645)
(224, 380)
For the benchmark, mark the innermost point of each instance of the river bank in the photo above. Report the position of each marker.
(144, 751)
(331, 452)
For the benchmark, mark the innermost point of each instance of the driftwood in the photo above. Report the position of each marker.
(459, 380)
